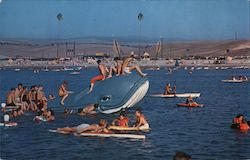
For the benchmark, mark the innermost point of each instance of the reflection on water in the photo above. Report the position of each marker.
(203, 133)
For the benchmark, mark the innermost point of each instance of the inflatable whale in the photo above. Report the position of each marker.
(116, 93)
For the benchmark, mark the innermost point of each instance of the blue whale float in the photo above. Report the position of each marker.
(116, 93)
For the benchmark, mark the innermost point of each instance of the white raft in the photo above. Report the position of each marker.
(232, 81)
(115, 135)
(179, 95)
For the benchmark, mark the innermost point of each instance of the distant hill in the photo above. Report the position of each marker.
(91, 45)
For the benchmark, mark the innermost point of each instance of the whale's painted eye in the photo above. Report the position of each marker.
(105, 98)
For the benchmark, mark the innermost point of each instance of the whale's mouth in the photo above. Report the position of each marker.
(135, 95)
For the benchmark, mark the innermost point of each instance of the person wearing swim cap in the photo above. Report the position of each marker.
(7, 121)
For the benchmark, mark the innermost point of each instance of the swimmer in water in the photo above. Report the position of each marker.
(101, 127)
(89, 109)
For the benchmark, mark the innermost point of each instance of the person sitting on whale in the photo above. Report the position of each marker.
(122, 121)
(89, 109)
(117, 69)
(103, 73)
(101, 127)
(127, 69)
(141, 122)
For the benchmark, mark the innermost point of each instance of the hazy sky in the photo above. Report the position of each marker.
(187, 19)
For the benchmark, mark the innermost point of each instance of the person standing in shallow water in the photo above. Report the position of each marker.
(63, 92)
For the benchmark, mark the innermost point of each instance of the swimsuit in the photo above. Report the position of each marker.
(81, 126)
(144, 127)
(97, 78)
(126, 70)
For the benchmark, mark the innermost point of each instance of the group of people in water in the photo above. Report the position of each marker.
(21, 99)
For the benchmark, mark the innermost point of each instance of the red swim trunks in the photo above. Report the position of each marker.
(97, 78)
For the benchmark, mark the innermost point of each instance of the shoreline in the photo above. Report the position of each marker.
(144, 64)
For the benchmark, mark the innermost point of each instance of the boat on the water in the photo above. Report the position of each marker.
(179, 95)
(74, 73)
(232, 81)
(17, 69)
(189, 105)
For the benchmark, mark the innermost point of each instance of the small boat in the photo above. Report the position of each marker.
(46, 70)
(216, 68)
(206, 68)
(198, 68)
(189, 105)
(67, 69)
(179, 95)
(17, 69)
(115, 135)
(232, 81)
(78, 68)
(74, 73)
(56, 70)
(118, 128)
(8, 124)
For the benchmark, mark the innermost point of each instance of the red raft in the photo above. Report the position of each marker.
(189, 105)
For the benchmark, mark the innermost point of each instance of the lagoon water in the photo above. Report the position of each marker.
(204, 133)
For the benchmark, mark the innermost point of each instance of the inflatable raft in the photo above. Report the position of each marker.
(118, 128)
(189, 105)
(179, 95)
(115, 135)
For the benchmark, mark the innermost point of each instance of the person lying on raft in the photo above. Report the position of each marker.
(63, 92)
(141, 122)
(117, 69)
(101, 127)
(103, 73)
(89, 109)
(127, 69)
(122, 121)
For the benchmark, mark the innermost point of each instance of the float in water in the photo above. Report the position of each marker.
(179, 95)
(115, 94)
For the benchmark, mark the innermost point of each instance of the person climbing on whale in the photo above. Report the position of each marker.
(102, 76)
(63, 92)
(127, 69)
(87, 110)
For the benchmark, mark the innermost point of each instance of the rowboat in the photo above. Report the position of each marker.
(115, 135)
(118, 128)
(232, 81)
(179, 95)
(189, 105)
